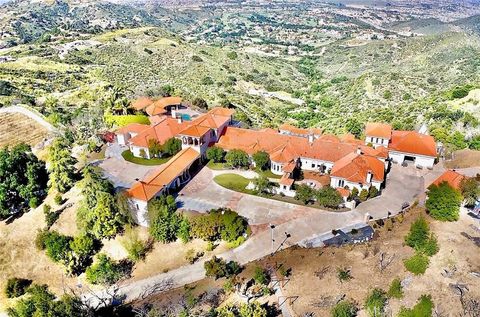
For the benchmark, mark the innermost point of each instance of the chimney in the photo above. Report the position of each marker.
(311, 138)
(359, 150)
(369, 176)
(179, 119)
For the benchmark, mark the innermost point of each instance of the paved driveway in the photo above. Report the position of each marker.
(120, 172)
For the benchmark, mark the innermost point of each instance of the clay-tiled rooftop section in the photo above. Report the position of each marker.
(220, 111)
(162, 131)
(164, 175)
(133, 128)
(195, 131)
(284, 148)
(292, 129)
(453, 179)
(141, 103)
(380, 130)
(413, 142)
(354, 168)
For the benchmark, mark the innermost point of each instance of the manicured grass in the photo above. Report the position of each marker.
(268, 173)
(234, 182)
(216, 166)
(128, 156)
(123, 120)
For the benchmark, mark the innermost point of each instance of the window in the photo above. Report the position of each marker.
(313, 165)
(341, 183)
(136, 205)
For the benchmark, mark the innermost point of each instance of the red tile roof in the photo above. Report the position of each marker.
(354, 168)
(285, 180)
(164, 175)
(453, 179)
(293, 129)
(141, 103)
(412, 142)
(158, 107)
(343, 192)
(133, 128)
(220, 111)
(195, 131)
(162, 131)
(380, 130)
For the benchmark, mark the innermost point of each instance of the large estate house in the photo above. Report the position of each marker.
(348, 162)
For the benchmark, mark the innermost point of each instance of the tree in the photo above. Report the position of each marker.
(200, 103)
(470, 190)
(344, 308)
(99, 211)
(218, 268)
(184, 230)
(172, 146)
(376, 302)
(164, 222)
(420, 238)
(329, 197)
(41, 302)
(261, 276)
(104, 271)
(62, 165)
(457, 141)
(232, 225)
(16, 287)
(23, 180)
(474, 143)
(354, 127)
(216, 154)
(252, 309)
(443, 202)
(154, 148)
(261, 159)
(372, 192)
(83, 247)
(237, 158)
(262, 185)
(363, 196)
(304, 193)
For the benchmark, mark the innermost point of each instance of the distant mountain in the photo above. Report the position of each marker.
(27, 21)
(471, 24)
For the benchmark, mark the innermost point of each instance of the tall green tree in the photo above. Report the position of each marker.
(62, 165)
(237, 158)
(23, 179)
(172, 146)
(261, 159)
(164, 222)
(443, 202)
(470, 189)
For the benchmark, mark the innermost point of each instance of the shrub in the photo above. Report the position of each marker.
(363, 196)
(58, 199)
(50, 216)
(328, 197)
(304, 193)
(395, 290)
(376, 302)
(172, 146)
(218, 268)
(16, 287)
(343, 274)
(135, 247)
(420, 239)
(417, 264)
(183, 231)
(423, 308)
(83, 248)
(344, 308)
(232, 55)
(104, 271)
(57, 246)
(261, 276)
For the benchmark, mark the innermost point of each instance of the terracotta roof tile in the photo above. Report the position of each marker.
(164, 175)
(343, 192)
(285, 180)
(354, 168)
(453, 178)
(141, 103)
(133, 128)
(220, 111)
(381, 130)
(413, 143)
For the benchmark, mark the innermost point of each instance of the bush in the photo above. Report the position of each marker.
(261, 159)
(395, 290)
(376, 302)
(344, 308)
(328, 197)
(420, 239)
(218, 268)
(16, 287)
(58, 199)
(261, 276)
(304, 193)
(423, 308)
(135, 247)
(363, 196)
(104, 271)
(417, 264)
(50, 216)
(57, 246)
(443, 202)
(343, 274)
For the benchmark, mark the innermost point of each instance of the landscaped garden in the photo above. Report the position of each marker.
(128, 156)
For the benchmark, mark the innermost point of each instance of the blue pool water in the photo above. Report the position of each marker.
(186, 117)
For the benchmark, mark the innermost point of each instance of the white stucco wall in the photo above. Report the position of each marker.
(139, 211)
(335, 182)
(308, 162)
(420, 160)
(136, 151)
(276, 168)
(376, 141)
(121, 139)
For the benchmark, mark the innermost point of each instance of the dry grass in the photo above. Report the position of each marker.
(16, 128)
(464, 159)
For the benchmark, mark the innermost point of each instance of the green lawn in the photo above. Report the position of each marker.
(128, 156)
(123, 120)
(234, 182)
(268, 173)
(216, 166)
